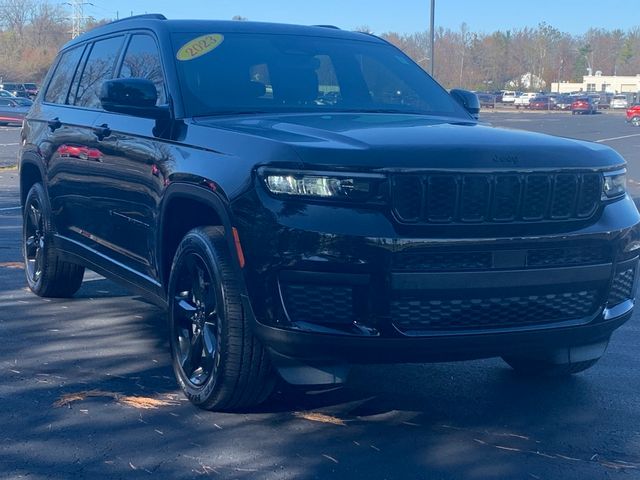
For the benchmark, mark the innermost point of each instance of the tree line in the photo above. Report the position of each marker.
(32, 31)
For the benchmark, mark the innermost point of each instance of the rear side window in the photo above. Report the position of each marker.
(142, 60)
(5, 103)
(59, 86)
(99, 67)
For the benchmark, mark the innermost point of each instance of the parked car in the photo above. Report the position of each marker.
(16, 89)
(603, 100)
(508, 96)
(619, 101)
(563, 102)
(13, 110)
(286, 236)
(6, 94)
(31, 89)
(540, 103)
(583, 105)
(487, 100)
(524, 99)
(633, 115)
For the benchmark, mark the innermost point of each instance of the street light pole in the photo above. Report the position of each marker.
(433, 36)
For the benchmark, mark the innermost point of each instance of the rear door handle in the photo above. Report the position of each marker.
(54, 124)
(102, 131)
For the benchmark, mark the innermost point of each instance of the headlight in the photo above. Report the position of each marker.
(323, 185)
(615, 183)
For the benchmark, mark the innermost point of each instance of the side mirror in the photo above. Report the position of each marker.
(468, 100)
(132, 96)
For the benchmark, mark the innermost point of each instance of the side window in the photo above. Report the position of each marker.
(99, 67)
(4, 103)
(142, 60)
(59, 86)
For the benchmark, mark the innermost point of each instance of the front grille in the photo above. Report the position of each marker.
(566, 256)
(485, 260)
(321, 304)
(622, 287)
(442, 198)
(416, 315)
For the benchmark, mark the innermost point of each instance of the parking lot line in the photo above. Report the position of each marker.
(602, 140)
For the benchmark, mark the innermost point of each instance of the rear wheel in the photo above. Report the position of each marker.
(47, 274)
(218, 362)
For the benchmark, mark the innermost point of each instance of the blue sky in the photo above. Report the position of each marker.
(406, 16)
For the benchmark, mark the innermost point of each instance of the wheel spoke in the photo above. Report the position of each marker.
(34, 216)
(31, 245)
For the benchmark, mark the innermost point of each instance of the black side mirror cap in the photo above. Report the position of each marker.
(133, 96)
(468, 100)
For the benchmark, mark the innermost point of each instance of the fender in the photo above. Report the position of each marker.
(31, 158)
(211, 199)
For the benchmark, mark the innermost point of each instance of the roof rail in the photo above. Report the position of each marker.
(148, 16)
(327, 26)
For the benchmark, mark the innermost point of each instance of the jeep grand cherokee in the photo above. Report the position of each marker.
(304, 198)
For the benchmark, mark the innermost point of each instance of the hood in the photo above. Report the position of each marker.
(391, 142)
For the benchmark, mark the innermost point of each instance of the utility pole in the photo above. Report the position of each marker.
(433, 37)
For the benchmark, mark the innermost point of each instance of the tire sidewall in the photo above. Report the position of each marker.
(197, 242)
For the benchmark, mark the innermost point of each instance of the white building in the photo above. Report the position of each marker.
(600, 83)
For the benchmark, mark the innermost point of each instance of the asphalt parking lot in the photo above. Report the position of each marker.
(87, 390)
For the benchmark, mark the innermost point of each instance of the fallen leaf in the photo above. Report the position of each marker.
(319, 417)
(14, 265)
(145, 403)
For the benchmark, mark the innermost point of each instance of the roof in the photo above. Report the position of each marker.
(158, 22)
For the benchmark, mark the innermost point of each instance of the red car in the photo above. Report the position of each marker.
(633, 115)
(540, 103)
(583, 105)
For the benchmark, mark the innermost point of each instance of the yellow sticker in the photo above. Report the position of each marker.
(199, 46)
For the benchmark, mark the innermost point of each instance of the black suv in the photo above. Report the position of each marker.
(304, 198)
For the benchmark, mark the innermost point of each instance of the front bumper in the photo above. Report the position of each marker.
(328, 283)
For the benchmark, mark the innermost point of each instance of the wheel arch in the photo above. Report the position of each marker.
(184, 207)
(31, 172)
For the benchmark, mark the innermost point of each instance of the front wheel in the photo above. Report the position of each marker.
(635, 121)
(47, 274)
(217, 360)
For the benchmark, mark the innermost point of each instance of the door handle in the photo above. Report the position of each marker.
(102, 131)
(54, 124)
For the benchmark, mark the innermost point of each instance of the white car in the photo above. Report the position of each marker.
(508, 96)
(524, 99)
(619, 101)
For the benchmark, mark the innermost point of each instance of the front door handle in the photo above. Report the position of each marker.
(102, 131)
(54, 124)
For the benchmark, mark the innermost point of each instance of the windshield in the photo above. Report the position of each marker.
(246, 73)
(31, 86)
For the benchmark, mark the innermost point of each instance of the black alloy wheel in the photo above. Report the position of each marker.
(196, 326)
(218, 362)
(48, 275)
(34, 240)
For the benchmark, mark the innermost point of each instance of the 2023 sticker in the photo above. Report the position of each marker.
(199, 46)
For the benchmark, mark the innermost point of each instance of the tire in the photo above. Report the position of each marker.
(218, 362)
(47, 274)
(635, 121)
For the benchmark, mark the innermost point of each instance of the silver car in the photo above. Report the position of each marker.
(619, 101)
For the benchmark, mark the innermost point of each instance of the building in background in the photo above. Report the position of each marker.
(600, 83)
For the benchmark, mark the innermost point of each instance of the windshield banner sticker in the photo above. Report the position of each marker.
(199, 46)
